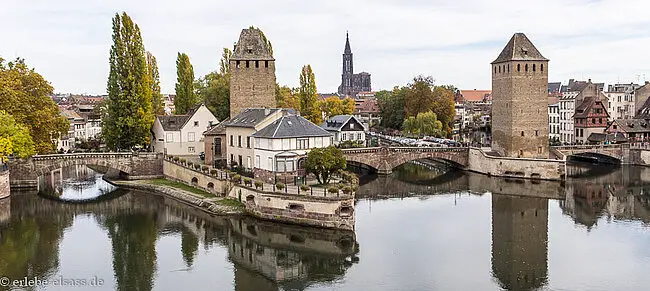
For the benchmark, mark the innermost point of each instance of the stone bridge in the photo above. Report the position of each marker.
(385, 159)
(616, 153)
(24, 173)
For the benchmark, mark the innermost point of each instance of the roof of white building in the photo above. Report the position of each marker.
(291, 126)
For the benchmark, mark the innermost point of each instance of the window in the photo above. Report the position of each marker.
(190, 149)
(499, 69)
(495, 69)
(539, 150)
(257, 161)
(170, 137)
(541, 67)
(266, 64)
(240, 160)
(217, 146)
(351, 125)
(190, 136)
(303, 143)
(593, 120)
(534, 68)
(508, 68)
(286, 144)
(258, 143)
(257, 64)
(522, 133)
(536, 132)
(600, 120)
(196, 124)
(232, 158)
(237, 64)
(344, 136)
(231, 140)
(248, 162)
(358, 136)
(518, 67)
(248, 142)
(239, 141)
(526, 67)
(247, 64)
(270, 160)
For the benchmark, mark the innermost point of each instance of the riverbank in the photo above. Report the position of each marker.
(204, 201)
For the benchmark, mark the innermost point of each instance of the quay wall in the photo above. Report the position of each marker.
(522, 168)
(328, 211)
(4, 184)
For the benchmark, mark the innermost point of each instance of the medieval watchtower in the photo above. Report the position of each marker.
(252, 73)
(520, 100)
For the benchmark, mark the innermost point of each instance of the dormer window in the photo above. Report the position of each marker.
(196, 123)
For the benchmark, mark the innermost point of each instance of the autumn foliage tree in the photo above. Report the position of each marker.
(286, 97)
(333, 106)
(423, 96)
(14, 138)
(308, 96)
(129, 114)
(25, 95)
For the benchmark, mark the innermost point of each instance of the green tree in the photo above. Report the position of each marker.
(185, 98)
(444, 107)
(214, 88)
(129, 115)
(189, 246)
(309, 96)
(286, 97)
(154, 77)
(25, 95)
(419, 97)
(323, 162)
(14, 138)
(425, 123)
(391, 107)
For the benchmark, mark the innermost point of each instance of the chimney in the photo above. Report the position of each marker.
(267, 111)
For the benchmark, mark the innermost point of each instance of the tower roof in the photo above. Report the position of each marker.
(519, 48)
(348, 50)
(252, 45)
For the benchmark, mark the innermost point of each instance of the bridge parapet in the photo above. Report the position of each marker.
(385, 159)
(81, 156)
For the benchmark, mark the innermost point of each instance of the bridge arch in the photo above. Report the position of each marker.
(385, 159)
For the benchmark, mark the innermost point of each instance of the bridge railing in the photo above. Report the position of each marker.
(404, 149)
(588, 147)
(83, 155)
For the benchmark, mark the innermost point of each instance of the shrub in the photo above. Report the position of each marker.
(333, 190)
(190, 164)
(204, 168)
(197, 166)
(258, 184)
(176, 159)
(236, 178)
(340, 186)
(304, 187)
(355, 188)
(247, 181)
(171, 157)
(279, 185)
(182, 161)
(347, 189)
(213, 172)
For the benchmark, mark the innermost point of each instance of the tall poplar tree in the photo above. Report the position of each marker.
(129, 114)
(154, 76)
(185, 98)
(309, 96)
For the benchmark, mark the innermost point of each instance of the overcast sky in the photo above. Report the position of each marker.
(68, 41)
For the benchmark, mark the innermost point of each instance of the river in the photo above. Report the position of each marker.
(418, 229)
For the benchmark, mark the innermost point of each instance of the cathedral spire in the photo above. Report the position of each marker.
(347, 44)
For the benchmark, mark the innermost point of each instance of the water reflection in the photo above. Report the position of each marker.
(266, 256)
(74, 183)
(520, 242)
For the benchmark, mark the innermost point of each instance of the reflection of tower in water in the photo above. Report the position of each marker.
(519, 241)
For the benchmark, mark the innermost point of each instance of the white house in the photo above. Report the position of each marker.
(280, 147)
(182, 135)
(554, 119)
(345, 128)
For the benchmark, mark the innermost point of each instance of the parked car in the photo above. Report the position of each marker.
(202, 156)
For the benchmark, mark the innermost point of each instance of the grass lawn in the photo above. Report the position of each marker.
(178, 185)
(230, 203)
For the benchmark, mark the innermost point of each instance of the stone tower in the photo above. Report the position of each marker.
(520, 242)
(252, 73)
(520, 100)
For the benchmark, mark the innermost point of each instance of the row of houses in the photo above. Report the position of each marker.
(270, 143)
(583, 112)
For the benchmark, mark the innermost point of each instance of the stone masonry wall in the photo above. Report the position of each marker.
(520, 105)
(4, 184)
(251, 87)
(329, 212)
(515, 167)
(146, 165)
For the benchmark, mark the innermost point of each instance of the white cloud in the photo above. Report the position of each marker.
(68, 42)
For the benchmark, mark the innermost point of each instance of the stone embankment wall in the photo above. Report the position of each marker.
(322, 210)
(4, 184)
(523, 168)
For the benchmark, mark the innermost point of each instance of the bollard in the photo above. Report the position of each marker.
(311, 190)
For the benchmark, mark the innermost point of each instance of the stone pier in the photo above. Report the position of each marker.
(4, 184)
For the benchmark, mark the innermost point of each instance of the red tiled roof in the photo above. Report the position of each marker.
(367, 105)
(475, 95)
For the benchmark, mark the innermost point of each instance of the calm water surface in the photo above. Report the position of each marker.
(415, 230)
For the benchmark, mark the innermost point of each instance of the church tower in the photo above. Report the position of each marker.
(348, 69)
(252, 73)
(520, 100)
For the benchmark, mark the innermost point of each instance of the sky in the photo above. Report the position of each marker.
(68, 41)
